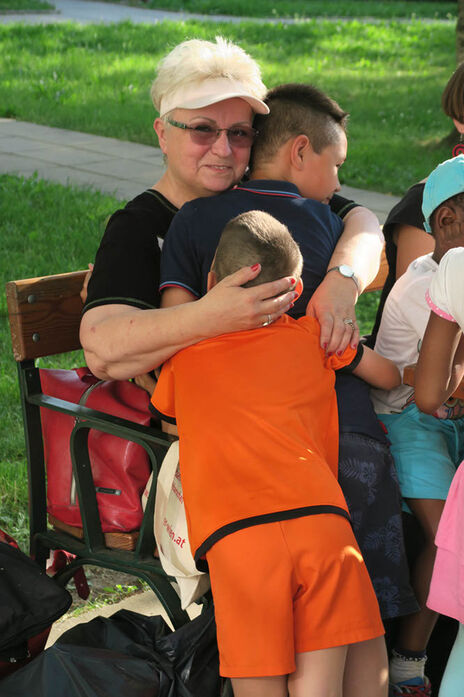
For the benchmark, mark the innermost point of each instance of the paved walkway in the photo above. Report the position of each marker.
(86, 12)
(117, 167)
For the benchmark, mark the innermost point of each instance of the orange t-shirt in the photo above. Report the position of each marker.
(258, 427)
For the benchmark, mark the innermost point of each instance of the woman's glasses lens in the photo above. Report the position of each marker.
(239, 137)
(204, 134)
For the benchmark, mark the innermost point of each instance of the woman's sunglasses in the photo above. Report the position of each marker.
(204, 134)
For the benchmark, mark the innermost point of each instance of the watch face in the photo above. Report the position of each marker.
(346, 270)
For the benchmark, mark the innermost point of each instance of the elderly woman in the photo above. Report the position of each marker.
(206, 94)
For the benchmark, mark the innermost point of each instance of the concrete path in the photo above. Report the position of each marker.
(69, 157)
(86, 12)
(116, 167)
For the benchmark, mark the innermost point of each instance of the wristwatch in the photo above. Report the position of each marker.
(346, 271)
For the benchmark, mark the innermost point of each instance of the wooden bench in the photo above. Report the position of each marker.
(379, 280)
(44, 316)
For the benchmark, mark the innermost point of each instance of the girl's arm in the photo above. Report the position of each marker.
(377, 370)
(440, 368)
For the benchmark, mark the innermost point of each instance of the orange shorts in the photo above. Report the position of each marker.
(289, 587)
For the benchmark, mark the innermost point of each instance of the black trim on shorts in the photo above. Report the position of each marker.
(259, 520)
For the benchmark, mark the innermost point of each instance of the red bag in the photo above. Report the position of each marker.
(120, 468)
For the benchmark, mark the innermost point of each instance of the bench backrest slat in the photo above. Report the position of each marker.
(45, 314)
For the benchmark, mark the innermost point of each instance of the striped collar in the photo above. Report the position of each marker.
(268, 187)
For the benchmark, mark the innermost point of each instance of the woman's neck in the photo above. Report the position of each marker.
(176, 191)
(172, 191)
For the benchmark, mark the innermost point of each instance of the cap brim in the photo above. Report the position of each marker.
(258, 106)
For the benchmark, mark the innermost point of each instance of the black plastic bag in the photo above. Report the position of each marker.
(192, 651)
(126, 655)
(30, 602)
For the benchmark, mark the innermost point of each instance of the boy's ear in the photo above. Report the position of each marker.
(211, 281)
(298, 151)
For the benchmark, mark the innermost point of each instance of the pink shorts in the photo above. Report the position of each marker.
(289, 587)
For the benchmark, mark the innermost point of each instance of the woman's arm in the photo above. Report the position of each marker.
(411, 242)
(440, 368)
(121, 341)
(377, 370)
(360, 246)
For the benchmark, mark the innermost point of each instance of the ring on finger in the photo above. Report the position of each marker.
(267, 321)
(349, 322)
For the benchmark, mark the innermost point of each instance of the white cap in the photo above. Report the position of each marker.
(206, 92)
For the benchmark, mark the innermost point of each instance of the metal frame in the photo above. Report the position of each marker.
(91, 550)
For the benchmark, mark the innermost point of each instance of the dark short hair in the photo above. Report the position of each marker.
(255, 237)
(452, 99)
(295, 109)
(456, 201)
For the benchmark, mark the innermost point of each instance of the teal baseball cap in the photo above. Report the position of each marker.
(445, 181)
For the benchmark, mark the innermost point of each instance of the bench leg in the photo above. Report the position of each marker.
(159, 584)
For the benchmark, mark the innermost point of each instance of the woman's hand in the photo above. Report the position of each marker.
(229, 308)
(333, 305)
(122, 341)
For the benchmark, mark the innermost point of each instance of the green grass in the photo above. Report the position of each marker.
(24, 6)
(389, 76)
(46, 228)
(307, 8)
(101, 597)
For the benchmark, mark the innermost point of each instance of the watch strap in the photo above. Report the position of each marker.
(352, 275)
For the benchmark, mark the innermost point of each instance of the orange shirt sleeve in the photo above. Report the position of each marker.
(311, 325)
(335, 362)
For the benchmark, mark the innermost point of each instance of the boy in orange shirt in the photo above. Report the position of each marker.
(295, 609)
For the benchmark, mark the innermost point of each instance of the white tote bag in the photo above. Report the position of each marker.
(171, 534)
